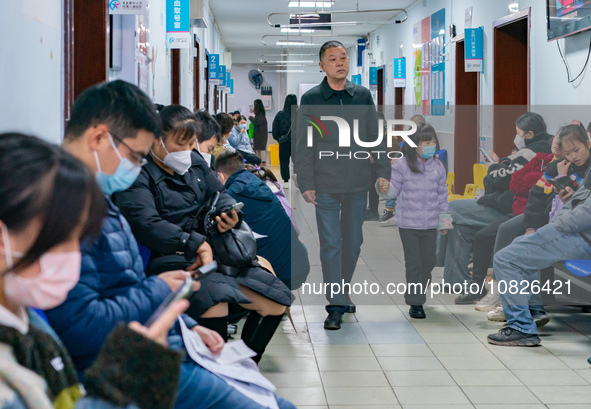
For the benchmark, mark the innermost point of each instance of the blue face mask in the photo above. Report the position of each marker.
(242, 126)
(428, 152)
(123, 177)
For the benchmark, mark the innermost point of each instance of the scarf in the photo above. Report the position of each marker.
(41, 353)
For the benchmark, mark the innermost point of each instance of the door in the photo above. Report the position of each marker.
(196, 78)
(85, 48)
(216, 102)
(381, 89)
(511, 77)
(175, 76)
(467, 113)
(206, 75)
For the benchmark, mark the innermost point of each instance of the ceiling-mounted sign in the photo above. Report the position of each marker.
(178, 26)
(127, 6)
(231, 86)
(222, 76)
(399, 72)
(361, 44)
(474, 49)
(356, 79)
(213, 68)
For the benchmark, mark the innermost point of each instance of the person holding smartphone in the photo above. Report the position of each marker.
(162, 207)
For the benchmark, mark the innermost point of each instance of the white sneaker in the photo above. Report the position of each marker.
(490, 301)
(497, 314)
(285, 185)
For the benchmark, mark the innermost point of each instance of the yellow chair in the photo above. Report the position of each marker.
(273, 154)
(479, 171)
(451, 179)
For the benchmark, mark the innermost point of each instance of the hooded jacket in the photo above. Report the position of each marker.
(265, 215)
(497, 193)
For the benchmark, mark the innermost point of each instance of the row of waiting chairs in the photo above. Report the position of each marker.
(471, 188)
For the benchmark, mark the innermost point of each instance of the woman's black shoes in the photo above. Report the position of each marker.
(417, 311)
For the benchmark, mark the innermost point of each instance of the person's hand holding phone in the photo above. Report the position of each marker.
(174, 279)
(204, 256)
(212, 339)
(158, 331)
(493, 156)
(563, 168)
(227, 221)
(565, 194)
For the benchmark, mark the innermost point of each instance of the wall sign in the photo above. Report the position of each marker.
(178, 26)
(213, 67)
(222, 77)
(399, 72)
(474, 49)
(356, 79)
(437, 63)
(373, 78)
(127, 6)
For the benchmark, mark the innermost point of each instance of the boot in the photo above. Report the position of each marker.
(258, 331)
(218, 324)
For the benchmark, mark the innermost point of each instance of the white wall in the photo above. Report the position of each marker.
(31, 90)
(245, 93)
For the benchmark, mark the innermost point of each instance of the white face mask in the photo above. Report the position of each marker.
(519, 142)
(180, 161)
(59, 274)
(206, 156)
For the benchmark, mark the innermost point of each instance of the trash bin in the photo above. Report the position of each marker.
(274, 153)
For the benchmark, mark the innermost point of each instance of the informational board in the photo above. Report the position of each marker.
(474, 49)
(178, 25)
(438, 63)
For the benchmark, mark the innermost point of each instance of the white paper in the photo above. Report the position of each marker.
(233, 365)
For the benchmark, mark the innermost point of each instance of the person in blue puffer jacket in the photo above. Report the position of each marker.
(419, 185)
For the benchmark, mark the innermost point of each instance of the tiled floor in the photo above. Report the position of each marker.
(382, 359)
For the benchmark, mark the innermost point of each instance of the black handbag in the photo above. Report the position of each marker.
(235, 248)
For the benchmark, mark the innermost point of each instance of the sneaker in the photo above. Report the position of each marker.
(285, 185)
(514, 338)
(541, 319)
(417, 311)
(491, 301)
(387, 218)
(469, 298)
(371, 216)
(497, 315)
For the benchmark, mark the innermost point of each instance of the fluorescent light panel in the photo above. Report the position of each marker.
(312, 4)
(297, 30)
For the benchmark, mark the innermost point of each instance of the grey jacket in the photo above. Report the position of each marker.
(575, 216)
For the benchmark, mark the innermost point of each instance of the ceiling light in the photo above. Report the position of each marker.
(297, 30)
(291, 43)
(290, 70)
(312, 4)
(290, 62)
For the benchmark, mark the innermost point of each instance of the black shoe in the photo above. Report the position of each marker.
(540, 319)
(465, 299)
(513, 338)
(388, 214)
(350, 307)
(589, 361)
(371, 216)
(334, 320)
(417, 311)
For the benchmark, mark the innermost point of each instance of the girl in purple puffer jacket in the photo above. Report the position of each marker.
(419, 184)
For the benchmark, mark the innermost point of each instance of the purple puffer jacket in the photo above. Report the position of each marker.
(420, 197)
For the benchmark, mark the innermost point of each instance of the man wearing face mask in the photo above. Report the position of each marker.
(209, 136)
(239, 140)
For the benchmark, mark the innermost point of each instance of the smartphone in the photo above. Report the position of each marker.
(486, 155)
(236, 207)
(203, 270)
(558, 185)
(184, 291)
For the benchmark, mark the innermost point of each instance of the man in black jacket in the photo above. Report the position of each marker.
(334, 174)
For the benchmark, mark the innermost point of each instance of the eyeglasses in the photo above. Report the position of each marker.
(138, 158)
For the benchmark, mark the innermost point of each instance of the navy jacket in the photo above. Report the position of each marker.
(112, 288)
(265, 215)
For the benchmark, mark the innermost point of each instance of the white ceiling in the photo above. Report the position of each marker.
(244, 23)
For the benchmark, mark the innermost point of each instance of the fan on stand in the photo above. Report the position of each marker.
(256, 78)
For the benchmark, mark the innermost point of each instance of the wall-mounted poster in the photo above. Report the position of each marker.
(438, 63)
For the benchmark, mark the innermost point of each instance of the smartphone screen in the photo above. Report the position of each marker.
(486, 155)
(203, 270)
(184, 291)
(237, 206)
(558, 185)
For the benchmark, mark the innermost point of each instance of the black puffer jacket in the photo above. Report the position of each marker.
(497, 193)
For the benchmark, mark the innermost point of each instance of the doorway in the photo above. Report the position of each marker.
(466, 118)
(175, 76)
(381, 89)
(85, 52)
(216, 102)
(511, 77)
(196, 77)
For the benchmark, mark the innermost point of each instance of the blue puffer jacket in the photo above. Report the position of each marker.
(240, 140)
(421, 196)
(112, 288)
